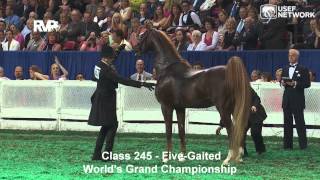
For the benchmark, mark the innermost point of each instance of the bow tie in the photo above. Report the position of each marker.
(293, 66)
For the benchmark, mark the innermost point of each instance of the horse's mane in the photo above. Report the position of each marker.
(164, 39)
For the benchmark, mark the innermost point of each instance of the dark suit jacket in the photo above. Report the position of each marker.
(261, 114)
(273, 36)
(293, 97)
(249, 38)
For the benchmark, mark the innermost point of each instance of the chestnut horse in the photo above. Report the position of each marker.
(179, 87)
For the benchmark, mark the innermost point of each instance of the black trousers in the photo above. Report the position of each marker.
(106, 134)
(256, 134)
(288, 128)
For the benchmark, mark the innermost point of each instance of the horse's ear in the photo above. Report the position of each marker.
(148, 24)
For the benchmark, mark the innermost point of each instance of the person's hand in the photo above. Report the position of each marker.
(254, 109)
(56, 60)
(150, 86)
(218, 131)
(291, 83)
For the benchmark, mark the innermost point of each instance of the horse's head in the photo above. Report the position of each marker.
(145, 39)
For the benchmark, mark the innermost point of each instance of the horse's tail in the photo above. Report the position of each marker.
(238, 90)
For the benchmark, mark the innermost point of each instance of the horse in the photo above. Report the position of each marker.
(180, 87)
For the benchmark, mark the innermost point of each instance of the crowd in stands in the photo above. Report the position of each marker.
(193, 25)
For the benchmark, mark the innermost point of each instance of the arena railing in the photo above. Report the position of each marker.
(65, 105)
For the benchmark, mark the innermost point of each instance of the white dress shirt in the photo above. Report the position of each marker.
(292, 69)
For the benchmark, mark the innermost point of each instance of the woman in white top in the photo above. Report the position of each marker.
(197, 44)
(126, 10)
(11, 44)
(211, 37)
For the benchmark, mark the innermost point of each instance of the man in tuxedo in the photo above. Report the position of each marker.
(295, 78)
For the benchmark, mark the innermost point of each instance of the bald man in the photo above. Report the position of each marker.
(295, 78)
(141, 74)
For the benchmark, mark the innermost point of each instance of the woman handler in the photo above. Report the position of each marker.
(103, 110)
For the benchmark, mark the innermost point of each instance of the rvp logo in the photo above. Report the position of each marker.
(39, 26)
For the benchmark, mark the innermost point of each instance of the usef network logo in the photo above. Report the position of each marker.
(39, 26)
(270, 11)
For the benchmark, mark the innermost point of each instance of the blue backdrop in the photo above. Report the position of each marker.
(84, 62)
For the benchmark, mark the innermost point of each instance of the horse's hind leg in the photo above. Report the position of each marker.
(227, 123)
(167, 114)
(181, 114)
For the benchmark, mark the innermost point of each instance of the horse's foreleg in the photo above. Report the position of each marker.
(181, 114)
(167, 114)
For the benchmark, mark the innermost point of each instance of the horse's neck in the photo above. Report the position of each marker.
(165, 57)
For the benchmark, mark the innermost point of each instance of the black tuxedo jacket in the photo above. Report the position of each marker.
(293, 97)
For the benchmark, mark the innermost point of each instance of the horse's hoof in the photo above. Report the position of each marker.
(226, 163)
(239, 160)
(165, 160)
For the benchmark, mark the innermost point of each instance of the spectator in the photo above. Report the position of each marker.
(248, 38)
(27, 28)
(55, 71)
(64, 22)
(35, 7)
(18, 73)
(80, 77)
(89, 25)
(2, 74)
(108, 6)
(90, 44)
(151, 7)
(210, 37)
(47, 16)
(159, 19)
(274, 32)
(35, 73)
(154, 74)
(243, 13)
(2, 37)
(141, 74)
(11, 18)
(181, 42)
(63, 9)
(35, 42)
(223, 16)
(312, 76)
(143, 13)
(278, 75)
(73, 31)
(117, 24)
(255, 75)
(266, 77)
(134, 32)
(17, 35)
(118, 39)
(125, 11)
(11, 44)
(92, 7)
(227, 42)
(104, 39)
(2, 25)
(33, 15)
(22, 10)
(197, 44)
(188, 17)
(313, 38)
(173, 20)
(197, 66)
(51, 44)
(101, 17)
